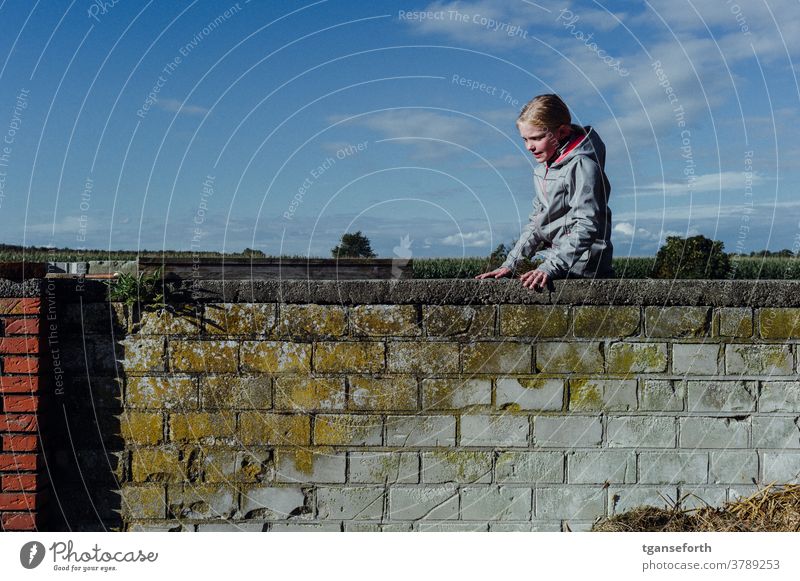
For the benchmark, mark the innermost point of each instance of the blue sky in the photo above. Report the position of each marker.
(281, 125)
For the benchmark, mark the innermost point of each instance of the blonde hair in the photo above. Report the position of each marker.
(547, 111)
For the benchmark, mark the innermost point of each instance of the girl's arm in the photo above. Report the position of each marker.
(528, 241)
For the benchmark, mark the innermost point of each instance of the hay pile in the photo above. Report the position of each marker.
(772, 509)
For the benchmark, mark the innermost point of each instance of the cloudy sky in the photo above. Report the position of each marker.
(281, 125)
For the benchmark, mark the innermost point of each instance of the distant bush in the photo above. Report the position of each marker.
(694, 257)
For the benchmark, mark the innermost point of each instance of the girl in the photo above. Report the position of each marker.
(571, 220)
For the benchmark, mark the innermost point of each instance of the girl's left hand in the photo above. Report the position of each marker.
(535, 279)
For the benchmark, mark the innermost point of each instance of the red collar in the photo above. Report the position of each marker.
(572, 145)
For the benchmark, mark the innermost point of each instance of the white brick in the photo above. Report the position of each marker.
(671, 467)
(384, 467)
(782, 467)
(622, 499)
(423, 502)
(569, 503)
(307, 466)
(721, 396)
(776, 432)
(494, 430)
(614, 466)
(641, 432)
(272, 502)
(661, 395)
(700, 432)
(696, 359)
(531, 393)
(779, 396)
(496, 503)
(733, 467)
(456, 466)
(533, 467)
(349, 503)
(567, 431)
(421, 431)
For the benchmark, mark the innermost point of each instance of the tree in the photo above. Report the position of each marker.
(353, 246)
(249, 252)
(695, 257)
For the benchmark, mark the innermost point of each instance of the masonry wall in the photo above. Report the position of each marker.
(424, 405)
(23, 484)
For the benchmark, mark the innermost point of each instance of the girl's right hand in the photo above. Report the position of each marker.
(497, 273)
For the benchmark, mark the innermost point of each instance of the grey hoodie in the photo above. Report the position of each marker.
(571, 220)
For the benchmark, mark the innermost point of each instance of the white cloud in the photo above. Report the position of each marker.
(177, 106)
(713, 182)
(478, 239)
(625, 228)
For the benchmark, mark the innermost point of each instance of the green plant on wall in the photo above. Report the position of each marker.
(145, 290)
(695, 257)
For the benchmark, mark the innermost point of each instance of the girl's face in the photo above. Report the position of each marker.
(540, 141)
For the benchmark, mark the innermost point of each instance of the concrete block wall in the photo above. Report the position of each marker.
(439, 405)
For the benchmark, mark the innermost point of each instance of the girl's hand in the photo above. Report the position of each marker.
(497, 273)
(535, 279)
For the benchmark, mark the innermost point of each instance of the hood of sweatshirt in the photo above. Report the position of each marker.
(584, 141)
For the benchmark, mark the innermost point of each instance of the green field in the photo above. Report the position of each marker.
(743, 268)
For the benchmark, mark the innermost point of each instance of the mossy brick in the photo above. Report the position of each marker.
(382, 393)
(456, 393)
(202, 501)
(673, 467)
(384, 467)
(538, 467)
(711, 432)
(201, 426)
(461, 466)
(141, 355)
(144, 501)
(641, 432)
(310, 465)
(637, 357)
(495, 430)
(751, 359)
(590, 394)
(534, 321)
(456, 320)
(736, 322)
(312, 321)
(273, 502)
(161, 392)
(255, 464)
(205, 356)
(622, 499)
(420, 430)
(350, 357)
(158, 465)
(570, 357)
(423, 502)
(567, 431)
(783, 467)
(661, 395)
(142, 428)
(29, 306)
(496, 503)
(236, 391)
(307, 393)
(496, 357)
(721, 396)
(733, 467)
(384, 321)
(185, 320)
(530, 393)
(239, 318)
(604, 466)
(779, 323)
(348, 430)
(423, 357)
(696, 359)
(677, 322)
(350, 503)
(262, 428)
(779, 396)
(606, 321)
(276, 357)
(569, 502)
(776, 432)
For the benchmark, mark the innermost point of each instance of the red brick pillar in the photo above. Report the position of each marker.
(21, 479)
